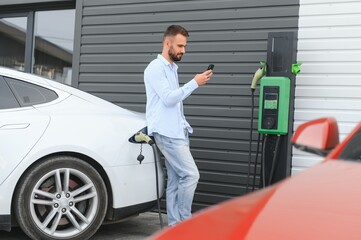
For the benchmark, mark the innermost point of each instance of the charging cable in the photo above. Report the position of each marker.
(250, 142)
(261, 71)
(156, 156)
(141, 137)
(274, 161)
(255, 163)
(263, 166)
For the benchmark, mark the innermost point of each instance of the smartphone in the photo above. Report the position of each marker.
(210, 67)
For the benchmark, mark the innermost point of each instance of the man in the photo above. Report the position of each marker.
(166, 121)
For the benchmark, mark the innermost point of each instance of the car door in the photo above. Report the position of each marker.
(21, 125)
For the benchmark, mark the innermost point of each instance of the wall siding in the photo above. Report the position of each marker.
(119, 38)
(14, 2)
(329, 85)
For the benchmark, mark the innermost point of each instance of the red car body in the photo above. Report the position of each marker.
(323, 202)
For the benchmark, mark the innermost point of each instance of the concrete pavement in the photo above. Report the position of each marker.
(135, 228)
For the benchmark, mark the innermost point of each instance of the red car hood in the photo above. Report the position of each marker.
(323, 202)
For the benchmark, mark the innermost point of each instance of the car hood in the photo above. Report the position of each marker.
(322, 202)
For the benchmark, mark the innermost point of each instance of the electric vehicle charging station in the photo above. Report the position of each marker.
(277, 83)
(274, 105)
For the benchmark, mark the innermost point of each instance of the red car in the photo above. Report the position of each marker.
(323, 202)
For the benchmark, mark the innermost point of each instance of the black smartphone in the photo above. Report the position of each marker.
(210, 67)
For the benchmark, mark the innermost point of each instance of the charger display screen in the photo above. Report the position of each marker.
(271, 101)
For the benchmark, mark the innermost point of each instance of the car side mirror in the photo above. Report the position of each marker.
(318, 136)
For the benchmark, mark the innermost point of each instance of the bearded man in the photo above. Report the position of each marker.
(167, 124)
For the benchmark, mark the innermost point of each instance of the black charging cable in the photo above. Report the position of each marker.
(255, 163)
(274, 160)
(256, 77)
(156, 157)
(141, 137)
(250, 142)
(263, 166)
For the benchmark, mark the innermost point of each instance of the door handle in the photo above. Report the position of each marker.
(14, 126)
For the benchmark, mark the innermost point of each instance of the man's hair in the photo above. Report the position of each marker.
(174, 30)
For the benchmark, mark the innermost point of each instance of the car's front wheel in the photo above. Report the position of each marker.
(61, 198)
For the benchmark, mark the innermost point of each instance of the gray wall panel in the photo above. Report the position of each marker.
(254, 24)
(13, 2)
(191, 15)
(96, 7)
(120, 37)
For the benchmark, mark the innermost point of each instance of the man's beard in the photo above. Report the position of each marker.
(173, 55)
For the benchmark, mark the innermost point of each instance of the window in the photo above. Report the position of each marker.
(13, 36)
(7, 99)
(352, 150)
(40, 42)
(29, 94)
(53, 48)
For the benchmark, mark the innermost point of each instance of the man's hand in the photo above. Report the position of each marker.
(203, 78)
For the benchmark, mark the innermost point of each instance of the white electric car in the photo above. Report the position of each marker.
(66, 164)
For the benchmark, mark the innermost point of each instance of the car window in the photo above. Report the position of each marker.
(352, 151)
(29, 94)
(7, 98)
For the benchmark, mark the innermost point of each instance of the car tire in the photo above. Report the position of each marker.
(61, 197)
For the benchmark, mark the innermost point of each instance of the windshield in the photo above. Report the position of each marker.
(352, 151)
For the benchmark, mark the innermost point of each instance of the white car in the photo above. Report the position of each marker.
(66, 162)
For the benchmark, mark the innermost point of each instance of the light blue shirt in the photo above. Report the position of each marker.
(164, 110)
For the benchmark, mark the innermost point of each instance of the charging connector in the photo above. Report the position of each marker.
(141, 137)
(258, 75)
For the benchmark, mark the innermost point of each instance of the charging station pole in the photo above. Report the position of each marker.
(281, 54)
